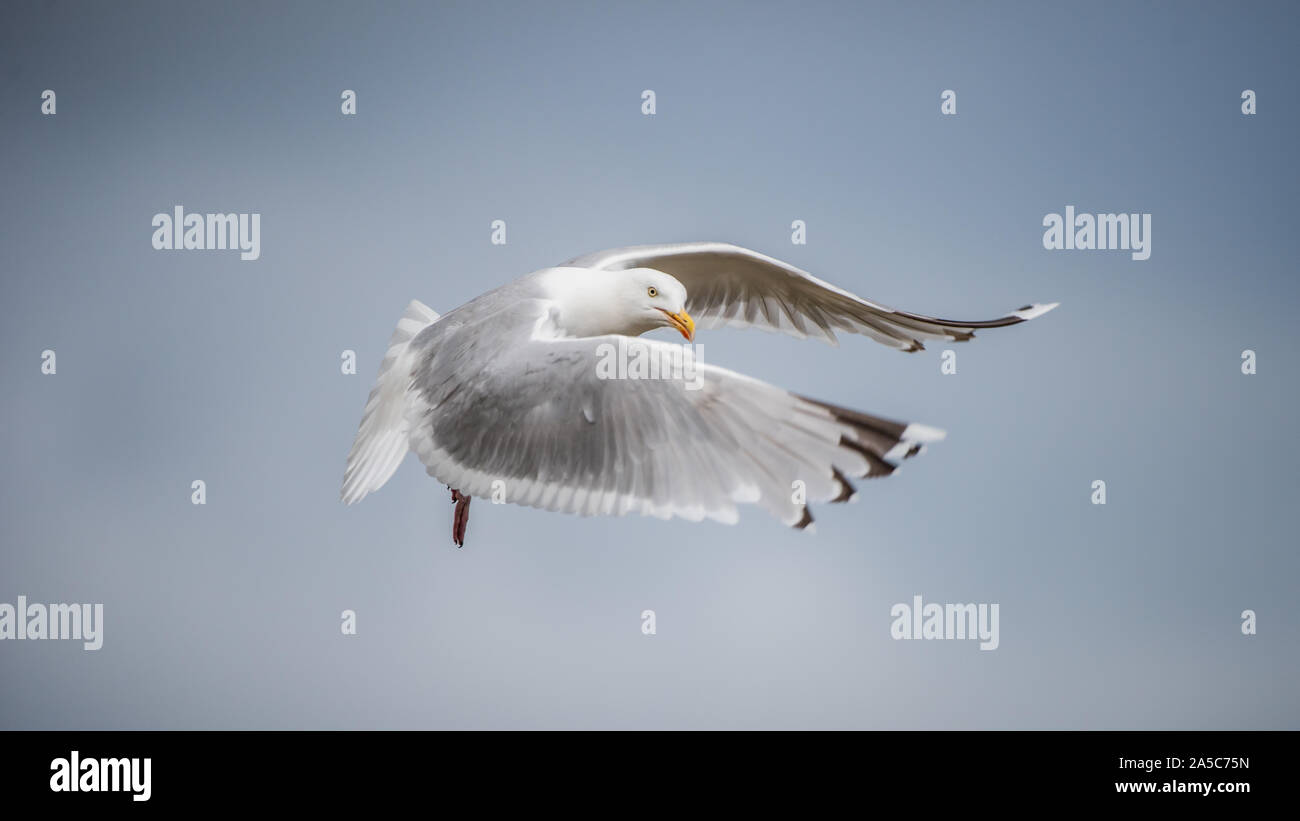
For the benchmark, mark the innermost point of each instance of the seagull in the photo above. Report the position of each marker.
(506, 396)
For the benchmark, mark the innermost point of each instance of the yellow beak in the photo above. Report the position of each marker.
(683, 323)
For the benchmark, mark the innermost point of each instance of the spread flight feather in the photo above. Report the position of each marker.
(503, 396)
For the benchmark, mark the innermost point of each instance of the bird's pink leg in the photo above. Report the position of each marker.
(460, 519)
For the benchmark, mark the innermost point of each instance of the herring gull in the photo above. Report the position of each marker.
(506, 396)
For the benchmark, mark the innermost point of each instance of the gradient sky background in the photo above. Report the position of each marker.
(179, 366)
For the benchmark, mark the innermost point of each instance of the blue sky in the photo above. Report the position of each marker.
(175, 366)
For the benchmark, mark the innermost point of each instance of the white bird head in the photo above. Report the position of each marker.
(656, 299)
(630, 302)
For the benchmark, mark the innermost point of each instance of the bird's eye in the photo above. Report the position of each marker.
(652, 291)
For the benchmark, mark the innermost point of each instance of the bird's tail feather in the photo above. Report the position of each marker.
(382, 439)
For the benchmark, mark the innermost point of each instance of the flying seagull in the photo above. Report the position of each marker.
(505, 395)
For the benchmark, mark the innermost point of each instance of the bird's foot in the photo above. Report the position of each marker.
(460, 519)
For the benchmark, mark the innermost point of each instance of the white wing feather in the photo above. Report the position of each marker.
(730, 285)
(383, 437)
(533, 421)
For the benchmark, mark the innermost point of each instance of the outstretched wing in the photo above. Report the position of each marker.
(730, 285)
(547, 423)
(381, 441)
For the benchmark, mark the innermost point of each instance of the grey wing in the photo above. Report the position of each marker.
(536, 424)
(730, 285)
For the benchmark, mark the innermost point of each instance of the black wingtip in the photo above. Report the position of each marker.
(847, 490)
(805, 521)
(875, 465)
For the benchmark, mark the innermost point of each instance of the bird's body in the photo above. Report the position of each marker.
(505, 396)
